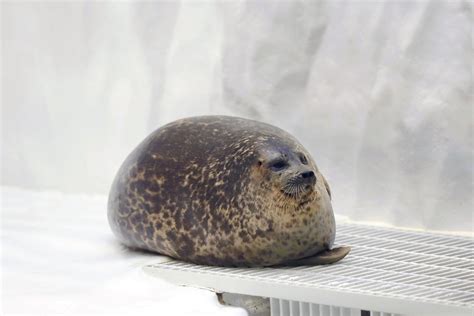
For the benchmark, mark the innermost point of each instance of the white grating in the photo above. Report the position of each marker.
(388, 270)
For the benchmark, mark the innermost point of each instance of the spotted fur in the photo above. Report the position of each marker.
(195, 190)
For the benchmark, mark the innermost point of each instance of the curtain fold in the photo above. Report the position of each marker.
(379, 93)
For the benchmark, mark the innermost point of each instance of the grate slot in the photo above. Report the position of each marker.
(285, 307)
(275, 306)
(314, 310)
(304, 309)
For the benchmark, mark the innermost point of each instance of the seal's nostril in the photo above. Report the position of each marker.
(307, 174)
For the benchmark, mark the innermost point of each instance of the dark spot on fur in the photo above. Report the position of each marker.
(150, 230)
(226, 227)
(193, 233)
(188, 220)
(136, 218)
(140, 185)
(171, 235)
(259, 233)
(139, 228)
(270, 225)
(244, 236)
(186, 246)
(177, 224)
(204, 224)
(147, 208)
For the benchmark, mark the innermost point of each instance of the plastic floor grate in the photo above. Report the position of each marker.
(388, 271)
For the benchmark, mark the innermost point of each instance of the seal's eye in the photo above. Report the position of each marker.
(278, 165)
(303, 159)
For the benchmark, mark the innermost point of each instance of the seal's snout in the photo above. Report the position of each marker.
(300, 184)
(308, 175)
(308, 178)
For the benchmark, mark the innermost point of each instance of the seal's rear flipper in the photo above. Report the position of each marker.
(325, 257)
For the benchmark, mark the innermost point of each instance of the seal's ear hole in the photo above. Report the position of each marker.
(260, 163)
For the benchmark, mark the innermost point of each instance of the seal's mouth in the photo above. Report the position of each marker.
(300, 185)
(296, 193)
(299, 192)
(301, 198)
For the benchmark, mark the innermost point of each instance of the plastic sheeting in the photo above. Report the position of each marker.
(379, 92)
(57, 259)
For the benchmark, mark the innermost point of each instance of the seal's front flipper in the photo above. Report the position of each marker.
(325, 257)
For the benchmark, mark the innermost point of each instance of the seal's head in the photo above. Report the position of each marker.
(289, 174)
(286, 174)
(291, 198)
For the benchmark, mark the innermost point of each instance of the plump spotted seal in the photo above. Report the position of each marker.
(227, 191)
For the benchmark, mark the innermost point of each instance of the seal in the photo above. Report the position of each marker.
(226, 191)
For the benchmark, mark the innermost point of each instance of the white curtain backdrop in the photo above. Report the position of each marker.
(379, 92)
